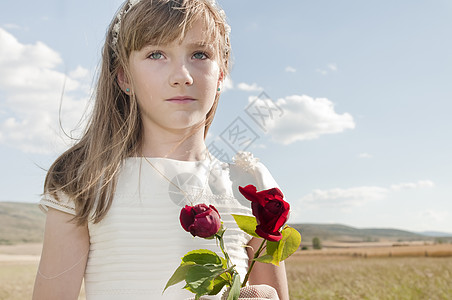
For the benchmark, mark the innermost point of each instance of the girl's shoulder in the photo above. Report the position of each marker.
(247, 169)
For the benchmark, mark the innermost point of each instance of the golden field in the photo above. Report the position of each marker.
(413, 271)
(18, 267)
(379, 272)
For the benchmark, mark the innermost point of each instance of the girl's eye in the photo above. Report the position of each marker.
(156, 55)
(200, 55)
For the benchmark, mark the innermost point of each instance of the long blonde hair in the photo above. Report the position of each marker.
(87, 172)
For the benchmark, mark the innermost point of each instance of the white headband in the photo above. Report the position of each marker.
(131, 3)
(124, 10)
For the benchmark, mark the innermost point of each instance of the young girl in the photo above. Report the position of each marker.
(113, 199)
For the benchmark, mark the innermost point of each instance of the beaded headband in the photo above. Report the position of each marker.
(117, 27)
(131, 3)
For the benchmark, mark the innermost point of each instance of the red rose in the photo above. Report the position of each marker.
(270, 210)
(200, 220)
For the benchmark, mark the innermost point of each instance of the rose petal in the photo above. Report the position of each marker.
(284, 216)
(200, 208)
(213, 207)
(249, 192)
(206, 224)
(274, 207)
(270, 210)
(187, 217)
(273, 236)
(273, 191)
(200, 220)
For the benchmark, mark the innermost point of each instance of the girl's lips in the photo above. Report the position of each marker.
(182, 99)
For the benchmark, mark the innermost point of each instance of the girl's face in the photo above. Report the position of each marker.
(175, 84)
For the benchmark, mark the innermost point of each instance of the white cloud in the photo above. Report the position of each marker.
(12, 26)
(356, 196)
(332, 67)
(31, 90)
(344, 198)
(365, 155)
(227, 84)
(413, 185)
(79, 73)
(307, 118)
(290, 69)
(249, 87)
(434, 215)
(253, 26)
(329, 68)
(259, 146)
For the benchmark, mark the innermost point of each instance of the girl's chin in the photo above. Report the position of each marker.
(184, 127)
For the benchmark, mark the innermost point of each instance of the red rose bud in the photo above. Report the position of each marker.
(270, 210)
(200, 220)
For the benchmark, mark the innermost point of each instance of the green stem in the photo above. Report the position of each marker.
(256, 255)
(231, 268)
(226, 255)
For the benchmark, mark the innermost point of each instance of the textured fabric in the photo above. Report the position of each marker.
(256, 292)
(252, 292)
(63, 203)
(136, 248)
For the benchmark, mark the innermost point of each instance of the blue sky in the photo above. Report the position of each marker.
(360, 94)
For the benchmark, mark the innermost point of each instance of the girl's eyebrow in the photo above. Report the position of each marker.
(189, 45)
(200, 44)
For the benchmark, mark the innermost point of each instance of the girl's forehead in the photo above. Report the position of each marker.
(197, 35)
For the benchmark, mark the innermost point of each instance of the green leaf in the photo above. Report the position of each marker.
(224, 262)
(266, 258)
(200, 279)
(234, 292)
(218, 285)
(292, 242)
(275, 250)
(247, 224)
(179, 274)
(279, 251)
(227, 276)
(202, 257)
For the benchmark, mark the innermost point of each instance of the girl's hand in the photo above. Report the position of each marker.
(253, 292)
(258, 292)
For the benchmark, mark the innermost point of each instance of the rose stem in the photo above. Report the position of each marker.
(220, 239)
(256, 255)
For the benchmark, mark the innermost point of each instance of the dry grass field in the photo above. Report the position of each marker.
(405, 272)
(18, 267)
(368, 250)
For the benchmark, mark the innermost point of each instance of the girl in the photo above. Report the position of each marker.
(113, 199)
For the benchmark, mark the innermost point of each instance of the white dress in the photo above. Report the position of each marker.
(136, 248)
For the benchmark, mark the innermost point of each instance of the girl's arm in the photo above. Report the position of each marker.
(63, 259)
(267, 273)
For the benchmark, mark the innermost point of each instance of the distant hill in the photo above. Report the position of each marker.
(436, 234)
(343, 233)
(21, 223)
(24, 223)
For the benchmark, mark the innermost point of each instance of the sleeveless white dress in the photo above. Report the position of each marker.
(136, 248)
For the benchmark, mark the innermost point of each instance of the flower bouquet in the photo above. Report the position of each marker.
(207, 273)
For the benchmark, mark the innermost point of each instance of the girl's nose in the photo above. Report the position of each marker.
(180, 76)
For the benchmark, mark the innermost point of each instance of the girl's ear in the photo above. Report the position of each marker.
(123, 81)
(220, 79)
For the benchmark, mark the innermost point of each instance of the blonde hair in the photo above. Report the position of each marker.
(87, 172)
